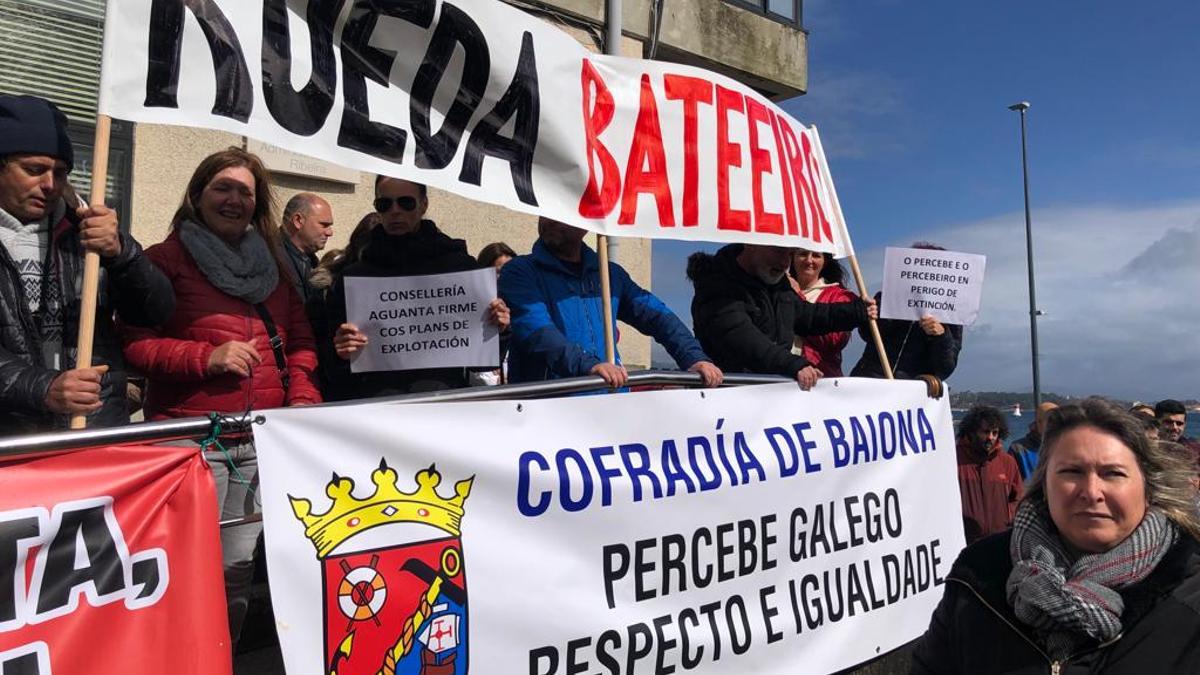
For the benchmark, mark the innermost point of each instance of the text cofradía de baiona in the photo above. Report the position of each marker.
(576, 479)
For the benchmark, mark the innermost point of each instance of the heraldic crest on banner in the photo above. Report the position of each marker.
(400, 609)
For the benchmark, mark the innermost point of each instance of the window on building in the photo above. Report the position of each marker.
(785, 11)
(51, 48)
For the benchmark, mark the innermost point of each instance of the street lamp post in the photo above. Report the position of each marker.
(1033, 310)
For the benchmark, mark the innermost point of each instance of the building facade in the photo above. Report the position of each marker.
(52, 48)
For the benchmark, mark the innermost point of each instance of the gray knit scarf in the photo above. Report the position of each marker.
(247, 271)
(1069, 598)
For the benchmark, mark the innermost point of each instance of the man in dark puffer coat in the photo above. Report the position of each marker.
(404, 244)
(747, 316)
(43, 238)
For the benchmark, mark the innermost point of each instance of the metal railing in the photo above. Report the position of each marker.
(196, 428)
(199, 427)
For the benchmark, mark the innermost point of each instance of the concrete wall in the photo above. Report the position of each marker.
(715, 35)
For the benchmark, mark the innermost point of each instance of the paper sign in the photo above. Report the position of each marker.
(944, 284)
(432, 321)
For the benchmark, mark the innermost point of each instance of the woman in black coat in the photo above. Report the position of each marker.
(1099, 573)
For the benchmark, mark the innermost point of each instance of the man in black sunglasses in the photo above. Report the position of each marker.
(404, 244)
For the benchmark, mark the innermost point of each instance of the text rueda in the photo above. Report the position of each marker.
(483, 100)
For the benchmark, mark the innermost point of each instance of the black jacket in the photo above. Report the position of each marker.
(129, 284)
(300, 266)
(426, 251)
(975, 631)
(910, 351)
(746, 326)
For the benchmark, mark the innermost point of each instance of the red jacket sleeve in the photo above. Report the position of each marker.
(824, 350)
(157, 356)
(150, 353)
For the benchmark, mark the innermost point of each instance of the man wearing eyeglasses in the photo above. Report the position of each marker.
(404, 244)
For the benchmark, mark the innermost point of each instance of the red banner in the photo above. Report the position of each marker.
(110, 563)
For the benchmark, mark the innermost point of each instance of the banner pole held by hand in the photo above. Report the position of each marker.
(610, 351)
(91, 261)
(844, 231)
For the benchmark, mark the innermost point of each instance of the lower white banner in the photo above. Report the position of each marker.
(751, 530)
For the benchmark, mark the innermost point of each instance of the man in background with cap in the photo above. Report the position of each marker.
(44, 235)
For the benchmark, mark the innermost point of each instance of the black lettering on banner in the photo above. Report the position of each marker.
(359, 61)
(30, 659)
(522, 99)
(638, 651)
(738, 606)
(604, 653)
(549, 654)
(147, 577)
(301, 111)
(61, 580)
(12, 532)
(574, 667)
(688, 661)
(769, 612)
(235, 89)
(436, 151)
(664, 644)
(616, 566)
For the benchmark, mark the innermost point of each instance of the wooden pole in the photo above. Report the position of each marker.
(610, 350)
(613, 25)
(91, 261)
(844, 231)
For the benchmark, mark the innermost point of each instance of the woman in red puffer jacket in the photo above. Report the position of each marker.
(217, 353)
(817, 277)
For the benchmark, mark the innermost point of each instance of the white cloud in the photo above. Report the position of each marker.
(1119, 288)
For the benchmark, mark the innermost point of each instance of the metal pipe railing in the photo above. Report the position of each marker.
(199, 427)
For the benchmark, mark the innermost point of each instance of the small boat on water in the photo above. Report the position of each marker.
(1016, 410)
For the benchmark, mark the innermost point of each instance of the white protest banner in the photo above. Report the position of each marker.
(754, 530)
(481, 99)
(427, 321)
(945, 284)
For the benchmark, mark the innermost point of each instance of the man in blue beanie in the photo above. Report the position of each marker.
(44, 233)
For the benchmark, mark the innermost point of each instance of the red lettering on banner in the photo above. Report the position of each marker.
(692, 91)
(728, 154)
(646, 170)
(600, 196)
(805, 199)
(785, 180)
(760, 163)
(822, 223)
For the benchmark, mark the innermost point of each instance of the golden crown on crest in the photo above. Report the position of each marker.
(349, 515)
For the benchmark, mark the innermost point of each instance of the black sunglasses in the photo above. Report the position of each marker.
(384, 204)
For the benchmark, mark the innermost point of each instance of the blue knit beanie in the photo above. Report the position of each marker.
(34, 126)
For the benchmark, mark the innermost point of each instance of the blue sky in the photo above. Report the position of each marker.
(911, 100)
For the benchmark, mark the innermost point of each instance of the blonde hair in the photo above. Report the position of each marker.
(1167, 474)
